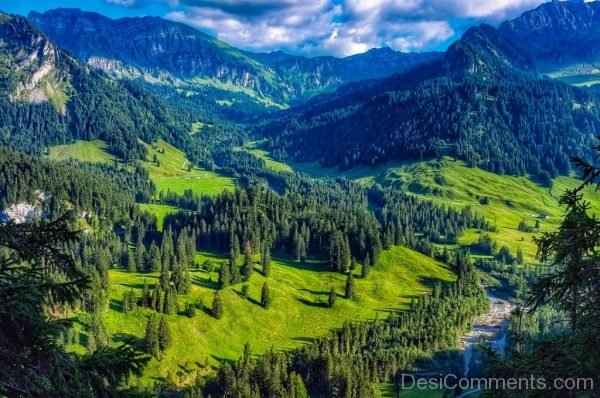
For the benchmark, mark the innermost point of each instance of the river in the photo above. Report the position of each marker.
(492, 326)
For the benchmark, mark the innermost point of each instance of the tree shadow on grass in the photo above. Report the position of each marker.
(116, 305)
(312, 303)
(202, 282)
(250, 299)
(315, 292)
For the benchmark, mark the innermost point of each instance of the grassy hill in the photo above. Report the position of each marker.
(297, 315)
(451, 182)
(86, 151)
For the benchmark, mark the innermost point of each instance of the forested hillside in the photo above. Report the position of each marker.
(48, 98)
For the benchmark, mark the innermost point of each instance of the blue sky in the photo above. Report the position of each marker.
(310, 27)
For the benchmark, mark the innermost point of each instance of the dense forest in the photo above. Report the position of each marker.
(515, 127)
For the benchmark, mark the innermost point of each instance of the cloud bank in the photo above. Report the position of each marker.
(339, 27)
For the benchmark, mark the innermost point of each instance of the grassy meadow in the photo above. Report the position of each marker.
(298, 312)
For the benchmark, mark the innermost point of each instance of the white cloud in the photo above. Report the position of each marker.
(340, 27)
(125, 3)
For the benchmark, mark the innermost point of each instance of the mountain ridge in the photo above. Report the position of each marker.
(189, 57)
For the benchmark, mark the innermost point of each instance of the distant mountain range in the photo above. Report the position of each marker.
(171, 53)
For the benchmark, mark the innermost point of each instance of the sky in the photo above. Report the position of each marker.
(310, 27)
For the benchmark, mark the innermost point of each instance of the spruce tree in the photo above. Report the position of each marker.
(224, 276)
(265, 296)
(248, 266)
(332, 297)
(170, 302)
(217, 306)
(154, 258)
(131, 262)
(266, 263)
(350, 286)
(164, 334)
(151, 343)
(366, 267)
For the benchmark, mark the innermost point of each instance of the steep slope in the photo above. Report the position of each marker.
(309, 76)
(173, 54)
(47, 98)
(557, 34)
(157, 50)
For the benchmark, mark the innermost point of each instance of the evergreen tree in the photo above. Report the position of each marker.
(154, 258)
(332, 297)
(140, 255)
(350, 286)
(224, 276)
(164, 334)
(157, 298)
(151, 343)
(235, 276)
(266, 263)
(265, 296)
(520, 259)
(170, 306)
(248, 266)
(146, 299)
(366, 267)
(131, 262)
(217, 306)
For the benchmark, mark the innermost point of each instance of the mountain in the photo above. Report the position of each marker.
(486, 102)
(557, 34)
(309, 76)
(47, 97)
(171, 53)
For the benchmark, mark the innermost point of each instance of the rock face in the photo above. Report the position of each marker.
(28, 55)
(559, 33)
(178, 54)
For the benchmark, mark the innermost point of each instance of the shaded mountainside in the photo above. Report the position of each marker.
(48, 98)
(175, 54)
(309, 76)
(485, 102)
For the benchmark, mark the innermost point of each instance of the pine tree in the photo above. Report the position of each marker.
(266, 263)
(248, 266)
(265, 297)
(151, 343)
(350, 286)
(224, 276)
(170, 302)
(332, 297)
(146, 299)
(154, 258)
(164, 334)
(140, 255)
(366, 267)
(157, 298)
(520, 259)
(217, 306)
(235, 276)
(131, 262)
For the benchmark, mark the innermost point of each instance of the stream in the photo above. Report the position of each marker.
(492, 326)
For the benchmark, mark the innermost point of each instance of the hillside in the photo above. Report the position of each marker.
(298, 315)
(48, 98)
